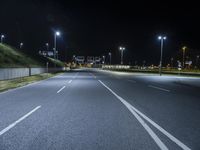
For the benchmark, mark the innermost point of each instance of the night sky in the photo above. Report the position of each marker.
(97, 27)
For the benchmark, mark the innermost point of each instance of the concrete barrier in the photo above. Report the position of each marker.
(11, 73)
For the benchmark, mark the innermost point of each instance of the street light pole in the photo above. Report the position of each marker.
(172, 62)
(198, 62)
(47, 45)
(2, 37)
(122, 50)
(110, 54)
(55, 35)
(184, 48)
(121, 57)
(20, 46)
(161, 38)
(55, 46)
(103, 60)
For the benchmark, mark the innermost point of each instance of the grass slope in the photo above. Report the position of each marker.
(11, 57)
(55, 61)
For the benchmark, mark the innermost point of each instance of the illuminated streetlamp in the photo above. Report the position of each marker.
(122, 50)
(2, 37)
(57, 33)
(47, 45)
(110, 55)
(103, 61)
(161, 38)
(21, 45)
(184, 48)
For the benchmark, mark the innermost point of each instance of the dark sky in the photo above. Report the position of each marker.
(97, 27)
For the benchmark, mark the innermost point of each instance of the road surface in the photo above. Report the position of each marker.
(96, 110)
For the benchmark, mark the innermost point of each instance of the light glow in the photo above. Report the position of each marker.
(162, 37)
(58, 33)
(121, 48)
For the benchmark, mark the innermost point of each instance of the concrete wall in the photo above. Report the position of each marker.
(11, 73)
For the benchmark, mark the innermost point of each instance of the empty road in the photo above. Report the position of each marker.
(101, 110)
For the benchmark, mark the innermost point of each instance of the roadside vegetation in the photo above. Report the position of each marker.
(18, 82)
(185, 72)
(11, 57)
(56, 62)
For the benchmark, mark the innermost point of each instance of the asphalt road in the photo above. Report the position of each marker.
(94, 109)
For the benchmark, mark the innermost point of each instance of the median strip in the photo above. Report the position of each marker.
(18, 121)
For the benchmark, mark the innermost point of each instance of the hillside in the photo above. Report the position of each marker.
(11, 57)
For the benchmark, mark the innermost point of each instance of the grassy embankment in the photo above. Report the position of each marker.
(11, 57)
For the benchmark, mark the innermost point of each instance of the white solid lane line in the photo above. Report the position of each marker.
(129, 106)
(158, 88)
(132, 81)
(171, 137)
(69, 81)
(18, 121)
(141, 121)
(60, 89)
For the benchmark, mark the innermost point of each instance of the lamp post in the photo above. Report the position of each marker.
(144, 61)
(47, 45)
(2, 37)
(21, 45)
(110, 55)
(122, 50)
(161, 38)
(184, 48)
(57, 33)
(172, 59)
(197, 62)
(74, 58)
(103, 61)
